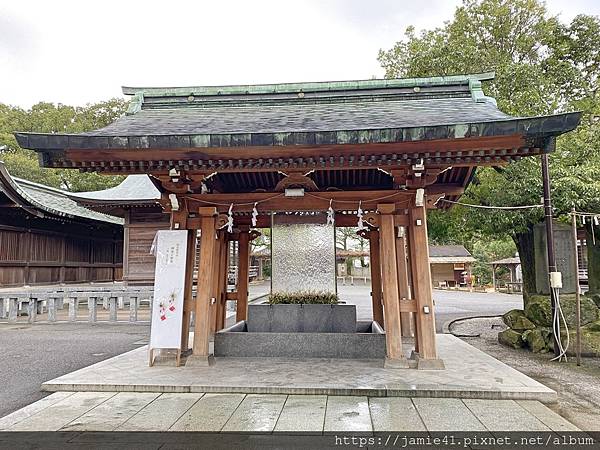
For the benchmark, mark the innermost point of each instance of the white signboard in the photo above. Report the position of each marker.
(169, 247)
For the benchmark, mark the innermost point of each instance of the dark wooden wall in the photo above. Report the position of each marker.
(49, 252)
(141, 225)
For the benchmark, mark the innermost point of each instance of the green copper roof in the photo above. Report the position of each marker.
(322, 86)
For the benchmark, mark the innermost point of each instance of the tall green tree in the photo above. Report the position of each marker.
(542, 66)
(50, 118)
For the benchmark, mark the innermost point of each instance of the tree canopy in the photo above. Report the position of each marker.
(542, 66)
(50, 118)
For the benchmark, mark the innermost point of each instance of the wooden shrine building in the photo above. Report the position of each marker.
(47, 238)
(137, 201)
(391, 148)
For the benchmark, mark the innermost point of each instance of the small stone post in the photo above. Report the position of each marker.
(73, 301)
(133, 308)
(13, 305)
(105, 303)
(120, 302)
(51, 304)
(32, 310)
(112, 305)
(3, 307)
(92, 316)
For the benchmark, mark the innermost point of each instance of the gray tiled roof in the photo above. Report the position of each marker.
(447, 250)
(513, 260)
(134, 189)
(58, 202)
(193, 120)
(47, 200)
(351, 112)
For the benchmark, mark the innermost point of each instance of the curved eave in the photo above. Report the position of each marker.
(10, 187)
(530, 127)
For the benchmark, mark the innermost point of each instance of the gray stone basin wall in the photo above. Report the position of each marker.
(366, 342)
(283, 318)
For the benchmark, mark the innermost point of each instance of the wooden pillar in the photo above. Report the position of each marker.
(206, 273)
(188, 300)
(375, 263)
(406, 318)
(220, 262)
(216, 263)
(389, 278)
(421, 275)
(242, 284)
(494, 277)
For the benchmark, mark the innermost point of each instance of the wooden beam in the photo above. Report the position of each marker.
(389, 277)
(242, 282)
(311, 201)
(375, 263)
(440, 148)
(421, 276)
(206, 272)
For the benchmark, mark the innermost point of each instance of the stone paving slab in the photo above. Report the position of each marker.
(506, 416)
(33, 408)
(447, 414)
(348, 413)
(256, 413)
(303, 413)
(210, 413)
(469, 373)
(395, 414)
(265, 413)
(548, 417)
(112, 413)
(56, 416)
(161, 413)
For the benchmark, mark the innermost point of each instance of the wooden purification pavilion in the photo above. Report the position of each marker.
(392, 148)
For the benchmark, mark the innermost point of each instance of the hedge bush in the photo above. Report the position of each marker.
(303, 297)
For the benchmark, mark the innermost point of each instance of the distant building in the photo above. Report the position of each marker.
(136, 201)
(47, 238)
(450, 265)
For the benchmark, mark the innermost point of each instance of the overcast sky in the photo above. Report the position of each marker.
(76, 52)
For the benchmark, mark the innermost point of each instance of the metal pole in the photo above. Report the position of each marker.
(549, 238)
(577, 298)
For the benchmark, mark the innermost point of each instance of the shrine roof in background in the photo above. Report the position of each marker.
(46, 202)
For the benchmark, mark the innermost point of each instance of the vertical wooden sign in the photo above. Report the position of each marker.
(169, 247)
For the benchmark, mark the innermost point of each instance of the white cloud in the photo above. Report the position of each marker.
(77, 52)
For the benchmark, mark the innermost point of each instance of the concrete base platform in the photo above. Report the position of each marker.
(468, 373)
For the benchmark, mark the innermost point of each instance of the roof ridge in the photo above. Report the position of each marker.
(310, 86)
(41, 186)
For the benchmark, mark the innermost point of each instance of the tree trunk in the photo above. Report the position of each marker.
(593, 257)
(524, 243)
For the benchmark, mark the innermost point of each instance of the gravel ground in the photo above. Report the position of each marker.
(578, 388)
(34, 354)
